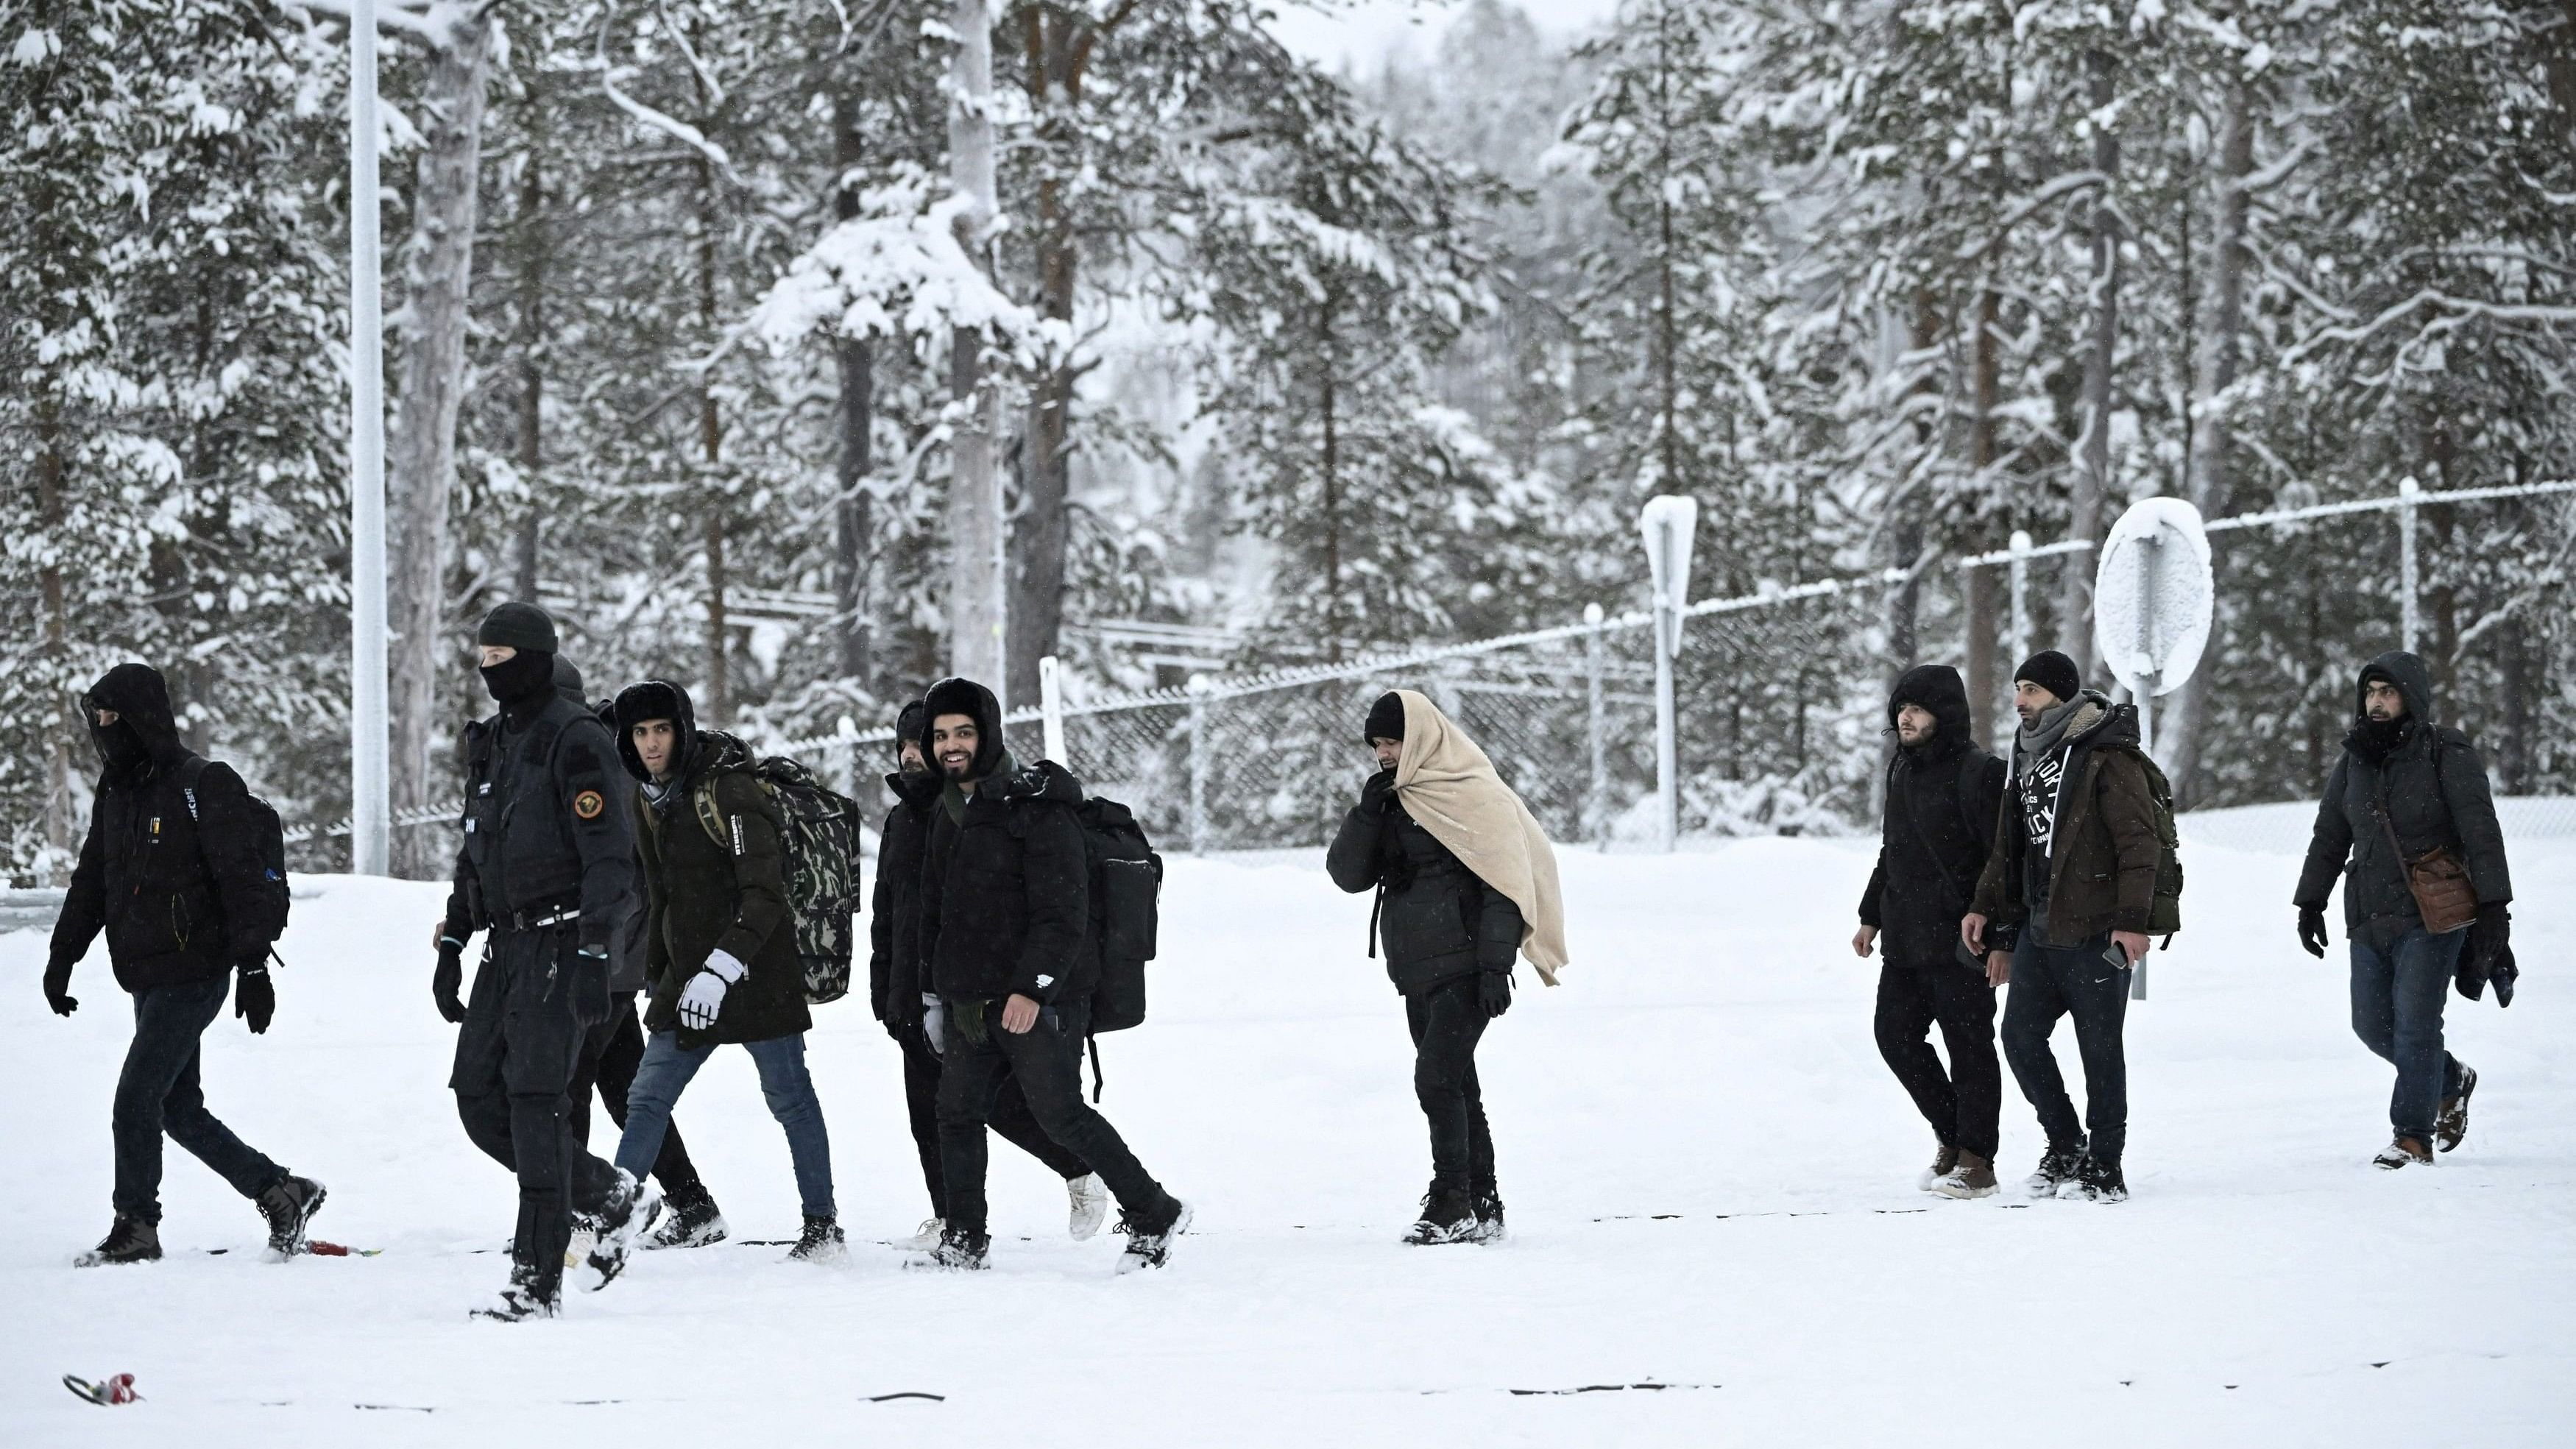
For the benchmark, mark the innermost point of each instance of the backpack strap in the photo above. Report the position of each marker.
(193, 769)
(1099, 1083)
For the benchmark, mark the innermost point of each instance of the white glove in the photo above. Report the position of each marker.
(934, 1023)
(704, 995)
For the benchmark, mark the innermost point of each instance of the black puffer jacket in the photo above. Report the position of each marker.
(2437, 794)
(713, 880)
(894, 908)
(1436, 918)
(154, 871)
(1006, 880)
(1943, 798)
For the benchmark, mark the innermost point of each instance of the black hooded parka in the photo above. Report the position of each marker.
(1943, 798)
(2436, 789)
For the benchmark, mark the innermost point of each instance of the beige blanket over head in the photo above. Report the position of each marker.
(1450, 788)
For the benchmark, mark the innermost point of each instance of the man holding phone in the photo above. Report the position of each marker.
(2072, 876)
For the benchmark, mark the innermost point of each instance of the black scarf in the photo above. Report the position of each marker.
(2374, 740)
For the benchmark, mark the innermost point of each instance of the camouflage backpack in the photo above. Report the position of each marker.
(818, 836)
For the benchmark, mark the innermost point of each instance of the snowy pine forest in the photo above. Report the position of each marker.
(1287, 359)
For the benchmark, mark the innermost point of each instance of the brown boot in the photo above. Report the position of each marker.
(1943, 1161)
(1973, 1177)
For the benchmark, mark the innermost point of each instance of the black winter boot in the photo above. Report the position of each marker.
(129, 1240)
(1149, 1242)
(959, 1251)
(691, 1222)
(1488, 1207)
(2056, 1167)
(289, 1205)
(2096, 1181)
(821, 1242)
(2453, 1125)
(525, 1298)
(632, 1209)
(1447, 1217)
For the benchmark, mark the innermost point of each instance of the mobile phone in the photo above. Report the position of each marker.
(2117, 959)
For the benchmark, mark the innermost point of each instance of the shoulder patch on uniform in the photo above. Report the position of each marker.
(588, 804)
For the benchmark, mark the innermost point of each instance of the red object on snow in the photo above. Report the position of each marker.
(321, 1249)
(115, 1389)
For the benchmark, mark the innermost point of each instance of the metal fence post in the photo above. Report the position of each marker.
(1596, 806)
(2407, 489)
(1198, 764)
(1051, 709)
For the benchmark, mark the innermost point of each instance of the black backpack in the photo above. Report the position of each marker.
(263, 899)
(1126, 903)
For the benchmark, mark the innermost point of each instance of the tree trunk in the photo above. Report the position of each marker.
(61, 825)
(432, 392)
(856, 360)
(977, 610)
(2093, 450)
(1043, 531)
(532, 378)
(1328, 402)
(1906, 533)
(1985, 369)
(2513, 662)
(2213, 481)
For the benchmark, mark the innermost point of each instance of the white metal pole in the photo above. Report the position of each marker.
(2151, 543)
(1596, 805)
(1051, 709)
(1668, 798)
(2406, 619)
(370, 807)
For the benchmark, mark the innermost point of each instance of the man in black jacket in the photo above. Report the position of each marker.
(172, 871)
(2406, 786)
(1005, 924)
(549, 869)
(1450, 940)
(903, 1006)
(1943, 795)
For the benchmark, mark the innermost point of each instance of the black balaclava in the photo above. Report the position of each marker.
(1385, 719)
(908, 727)
(520, 682)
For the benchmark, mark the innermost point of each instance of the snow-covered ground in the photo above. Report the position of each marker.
(1711, 1181)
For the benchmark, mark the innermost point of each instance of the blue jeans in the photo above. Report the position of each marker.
(665, 1074)
(2397, 991)
(158, 1092)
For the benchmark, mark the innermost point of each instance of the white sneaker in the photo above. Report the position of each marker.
(1090, 1206)
(577, 1249)
(927, 1237)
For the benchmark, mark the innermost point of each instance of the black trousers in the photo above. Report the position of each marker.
(2049, 982)
(1964, 1103)
(513, 1082)
(1447, 1019)
(1011, 1119)
(1047, 1062)
(610, 1053)
(158, 1092)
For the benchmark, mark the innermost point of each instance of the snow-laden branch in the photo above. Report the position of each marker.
(898, 270)
(672, 126)
(2459, 308)
(2057, 188)
(411, 17)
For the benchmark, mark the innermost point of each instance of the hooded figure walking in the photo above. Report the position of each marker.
(1943, 795)
(1466, 884)
(172, 872)
(2408, 798)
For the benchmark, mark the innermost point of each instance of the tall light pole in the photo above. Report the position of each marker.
(370, 812)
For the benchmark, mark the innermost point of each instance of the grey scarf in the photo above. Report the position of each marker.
(2036, 742)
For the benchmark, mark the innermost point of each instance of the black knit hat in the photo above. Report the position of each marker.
(2053, 672)
(1385, 718)
(520, 626)
(907, 727)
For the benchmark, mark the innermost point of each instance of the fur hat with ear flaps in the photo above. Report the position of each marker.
(1450, 788)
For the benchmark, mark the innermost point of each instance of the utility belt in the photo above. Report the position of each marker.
(542, 916)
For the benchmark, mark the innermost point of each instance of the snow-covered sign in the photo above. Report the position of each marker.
(1670, 525)
(2153, 596)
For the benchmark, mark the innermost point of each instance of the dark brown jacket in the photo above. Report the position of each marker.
(2102, 872)
(713, 878)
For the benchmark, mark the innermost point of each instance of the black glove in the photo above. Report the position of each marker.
(2487, 956)
(449, 979)
(255, 999)
(2312, 930)
(2501, 974)
(590, 994)
(58, 988)
(1373, 795)
(1494, 991)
